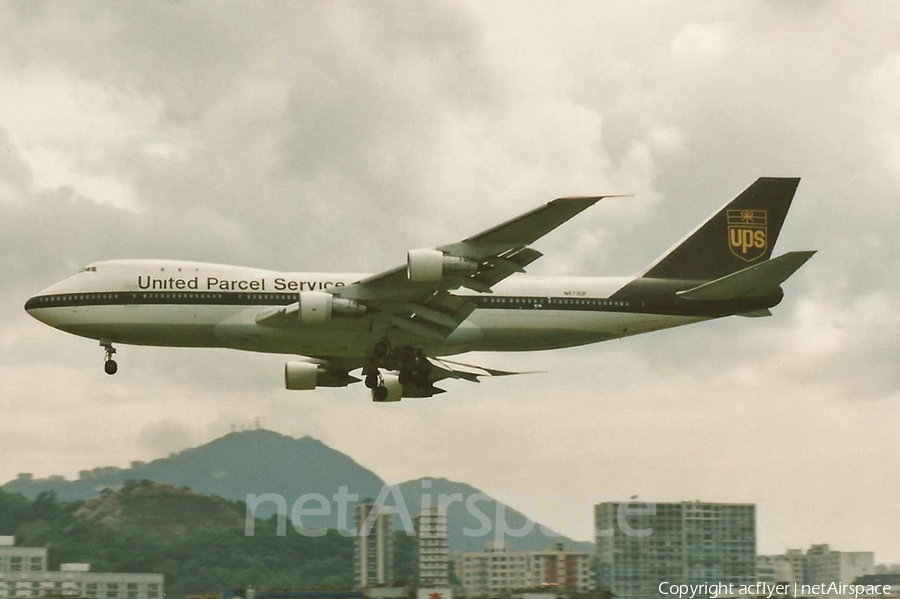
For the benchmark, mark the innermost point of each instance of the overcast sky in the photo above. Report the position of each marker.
(336, 136)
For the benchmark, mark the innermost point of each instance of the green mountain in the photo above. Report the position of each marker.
(263, 462)
(234, 466)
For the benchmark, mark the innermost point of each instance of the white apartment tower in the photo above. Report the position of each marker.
(432, 543)
(374, 551)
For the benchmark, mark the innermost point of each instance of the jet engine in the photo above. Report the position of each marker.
(300, 376)
(391, 390)
(319, 306)
(430, 266)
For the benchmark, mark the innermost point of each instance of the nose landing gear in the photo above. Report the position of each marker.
(109, 366)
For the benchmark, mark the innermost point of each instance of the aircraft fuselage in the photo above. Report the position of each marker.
(192, 304)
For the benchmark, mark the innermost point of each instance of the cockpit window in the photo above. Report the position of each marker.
(90, 269)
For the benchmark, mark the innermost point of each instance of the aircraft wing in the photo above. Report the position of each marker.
(423, 306)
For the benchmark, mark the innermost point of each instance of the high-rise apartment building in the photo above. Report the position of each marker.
(640, 545)
(432, 542)
(374, 551)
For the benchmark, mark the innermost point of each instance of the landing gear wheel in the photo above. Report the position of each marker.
(371, 381)
(405, 376)
(380, 393)
(109, 367)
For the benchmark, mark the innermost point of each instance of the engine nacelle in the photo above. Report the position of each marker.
(300, 376)
(319, 306)
(430, 266)
(393, 387)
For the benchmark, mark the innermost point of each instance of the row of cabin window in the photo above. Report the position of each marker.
(181, 295)
(591, 302)
(289, 297)
(75, 297)
(95, 296)
(261, 296)
(572, 302)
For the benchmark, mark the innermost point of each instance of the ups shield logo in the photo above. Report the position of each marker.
(747, 233)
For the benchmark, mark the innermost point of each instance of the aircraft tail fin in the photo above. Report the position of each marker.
(741, 234)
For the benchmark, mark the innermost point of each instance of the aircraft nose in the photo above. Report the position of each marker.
(33, 305)
(39, 306)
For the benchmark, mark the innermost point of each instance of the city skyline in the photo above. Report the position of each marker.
(407, 513)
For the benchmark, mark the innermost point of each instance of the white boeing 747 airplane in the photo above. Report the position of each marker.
(396, 327)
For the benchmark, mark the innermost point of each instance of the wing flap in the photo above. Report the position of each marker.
(487, 371)
(433, 318)
(506, 264)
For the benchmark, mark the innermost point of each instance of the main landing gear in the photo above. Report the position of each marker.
(412, 364)
(109, 365)
(375, 381)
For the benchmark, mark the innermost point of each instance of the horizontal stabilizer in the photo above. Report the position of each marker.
(753, 281)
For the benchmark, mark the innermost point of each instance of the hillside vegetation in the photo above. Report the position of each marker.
(198, 542)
